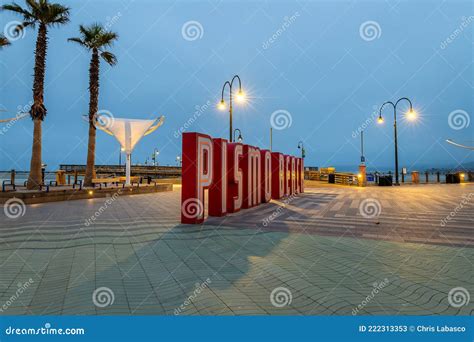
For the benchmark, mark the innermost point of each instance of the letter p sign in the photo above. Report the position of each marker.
(196, 176)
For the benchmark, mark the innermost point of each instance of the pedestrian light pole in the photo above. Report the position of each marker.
(240, 138)
(240, 98)
(303, 152)
(410, 115)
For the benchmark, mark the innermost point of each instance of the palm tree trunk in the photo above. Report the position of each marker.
(93, 108)
(38, 110)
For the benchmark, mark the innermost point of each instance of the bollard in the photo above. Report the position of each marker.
(12, 176)
(415, 177)
(426, 176)
(437, 176)
(75, 176)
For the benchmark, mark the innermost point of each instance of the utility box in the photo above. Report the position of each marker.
(453, 178)
(332, 178)
(385, 180)
(415, 177)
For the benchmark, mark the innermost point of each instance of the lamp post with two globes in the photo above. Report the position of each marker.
(411, 115)
(240, 97)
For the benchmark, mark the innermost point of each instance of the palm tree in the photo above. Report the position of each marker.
(45, 15)
(3, 41)
(95, 39)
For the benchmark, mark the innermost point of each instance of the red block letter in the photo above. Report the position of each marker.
(196, 176)
(218, 189)
(234, 191)
(278, 175)
(266, 175)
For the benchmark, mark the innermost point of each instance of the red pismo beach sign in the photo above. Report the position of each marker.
(238, 176)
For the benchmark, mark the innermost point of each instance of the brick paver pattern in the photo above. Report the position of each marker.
(330, 256)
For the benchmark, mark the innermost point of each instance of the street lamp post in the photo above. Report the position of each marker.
(303, 152)
(240, 138)
(155, 155)
(240, 97)
(411, 115)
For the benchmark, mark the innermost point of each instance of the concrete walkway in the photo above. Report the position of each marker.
(332, 250)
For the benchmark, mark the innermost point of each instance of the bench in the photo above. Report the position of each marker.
(41, 186)
(105, 181)
(6, 183)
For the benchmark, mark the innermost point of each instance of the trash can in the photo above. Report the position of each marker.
(453, 178)
(415, 177)
(61, 177)
(332, 178)
(385, 180)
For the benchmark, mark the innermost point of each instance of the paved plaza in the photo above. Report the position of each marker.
(331, 251)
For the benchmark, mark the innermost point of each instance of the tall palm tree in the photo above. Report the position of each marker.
(95, 39)
(45, 15)
(3, 41)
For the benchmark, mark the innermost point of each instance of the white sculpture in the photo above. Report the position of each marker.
(128, 132)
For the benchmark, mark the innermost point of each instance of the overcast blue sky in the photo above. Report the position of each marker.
(328, 64)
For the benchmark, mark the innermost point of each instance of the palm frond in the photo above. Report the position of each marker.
(109, 57)
(3, 41)
(78, 41)
(15, 8)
